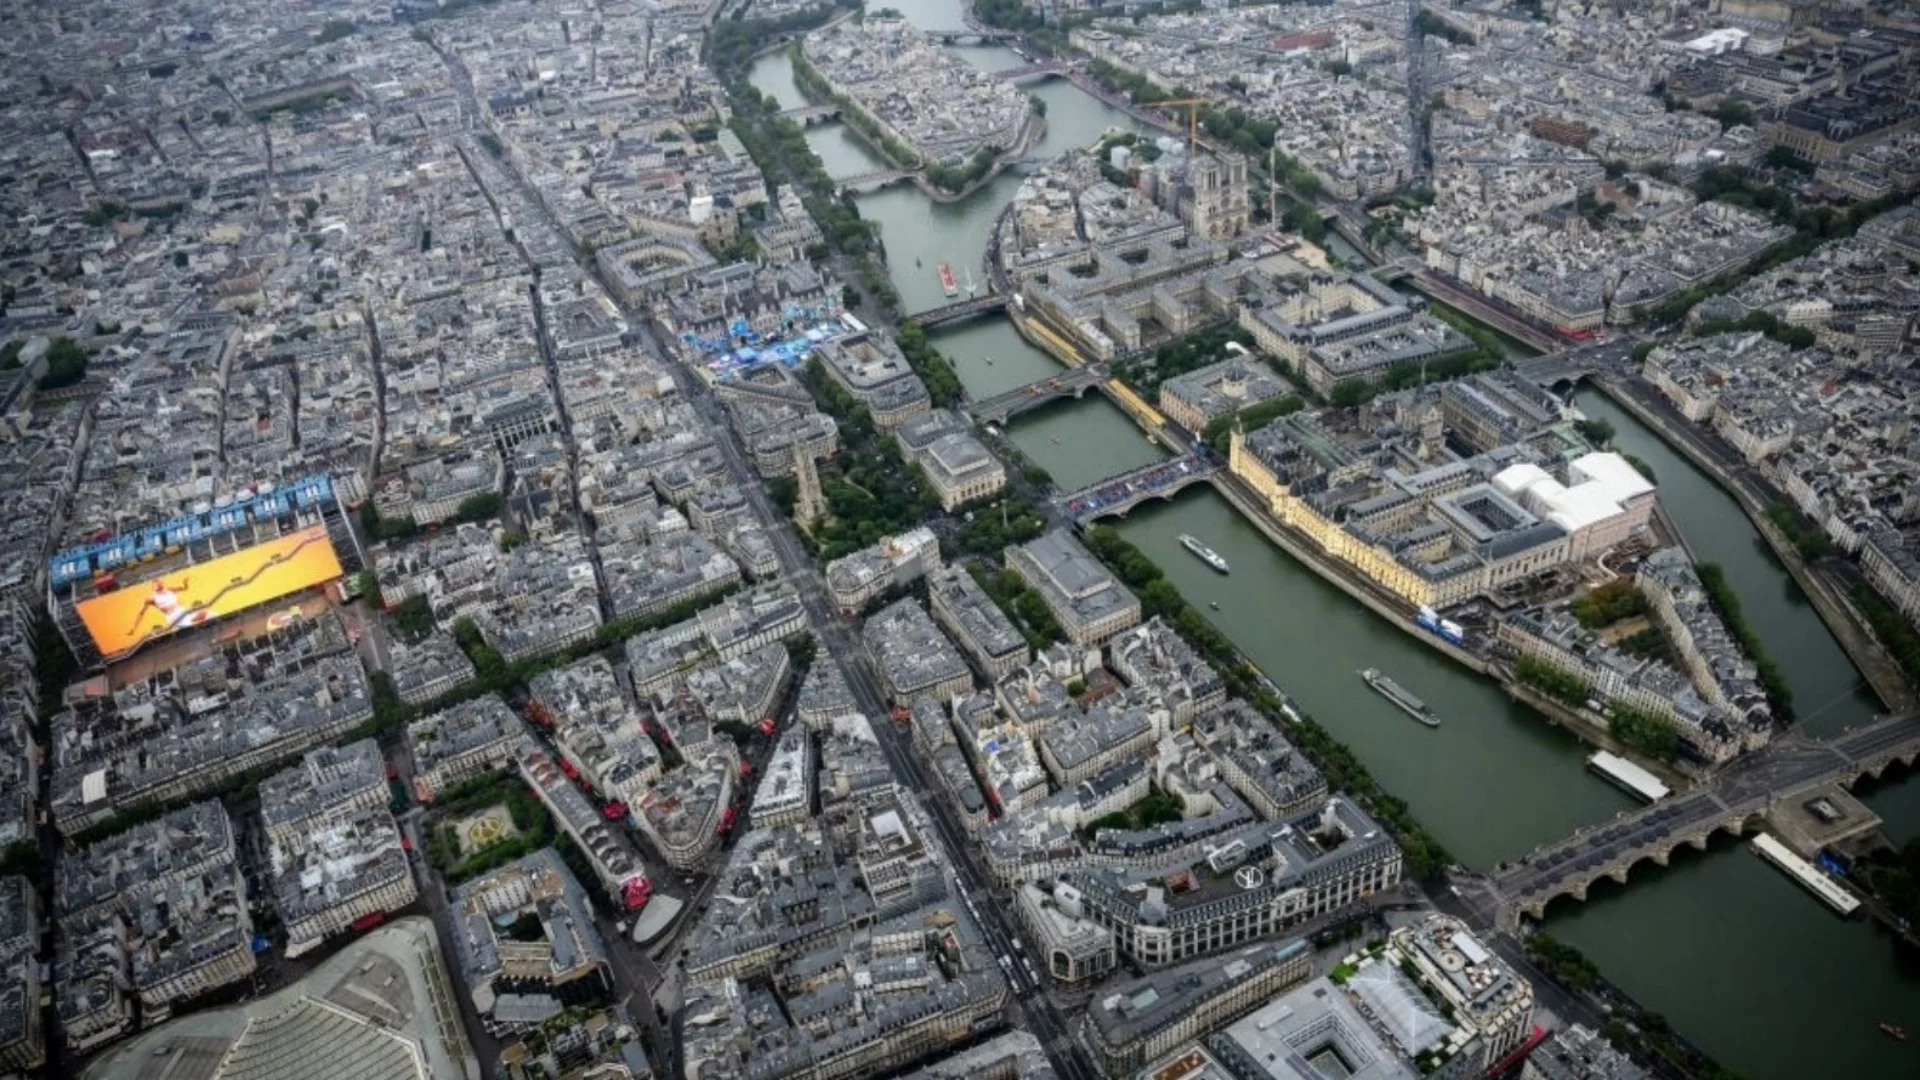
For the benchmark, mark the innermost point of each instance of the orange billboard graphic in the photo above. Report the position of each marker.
(123, 620)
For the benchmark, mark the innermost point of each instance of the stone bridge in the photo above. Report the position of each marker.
(981, 33)
(1734, 800)
(1031, 73)
(805, 115)
(1002, 407)
(873, 181)
(962, 310)
(1115, 496)
(1570, 366)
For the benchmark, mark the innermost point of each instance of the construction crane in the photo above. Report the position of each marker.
(1193, 119)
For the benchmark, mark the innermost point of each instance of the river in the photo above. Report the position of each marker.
(1733, 953)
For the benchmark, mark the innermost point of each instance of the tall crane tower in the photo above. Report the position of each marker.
(1193, 119)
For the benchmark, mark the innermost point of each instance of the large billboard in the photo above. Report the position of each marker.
(128, 618)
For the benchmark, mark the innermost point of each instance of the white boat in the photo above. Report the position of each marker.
(1206, 554)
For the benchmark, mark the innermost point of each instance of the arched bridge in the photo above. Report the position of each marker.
(961, 310)
(1002, 407)
(981, 33)
(1115, 496)
(1031, 72)
(807, 114)
(1570, 366)
(873, 181)
(1735, 800)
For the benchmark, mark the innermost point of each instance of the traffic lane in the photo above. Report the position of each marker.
(858, 676)
(993, 928)
(1026, 989)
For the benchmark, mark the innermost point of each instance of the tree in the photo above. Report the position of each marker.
(479, 507)
(1733, 114)
(1783, 157)
(66, 364)
(335, 29)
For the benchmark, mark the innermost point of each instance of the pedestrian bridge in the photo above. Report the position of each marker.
(1735, 800)
(1117, 495)
(1003, 406)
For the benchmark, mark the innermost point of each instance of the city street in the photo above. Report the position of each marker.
(840, 644)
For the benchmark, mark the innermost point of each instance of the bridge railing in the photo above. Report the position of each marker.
(1074, 382)
(1122, 492)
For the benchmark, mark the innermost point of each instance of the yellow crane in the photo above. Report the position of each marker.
(1193, 118)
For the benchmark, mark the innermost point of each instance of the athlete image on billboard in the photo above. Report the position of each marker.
(123, 620)
(165, 603)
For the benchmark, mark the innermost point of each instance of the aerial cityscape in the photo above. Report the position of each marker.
(960, 540)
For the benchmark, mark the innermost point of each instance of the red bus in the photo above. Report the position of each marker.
(368, 921)
(614, 810)
(634, 893)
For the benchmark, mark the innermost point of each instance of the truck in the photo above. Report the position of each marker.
(1446, 629)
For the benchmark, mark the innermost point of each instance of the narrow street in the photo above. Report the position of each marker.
(840, 641)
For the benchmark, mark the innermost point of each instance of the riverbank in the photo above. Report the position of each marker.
(1425, 858)
(1881, 673)
(1592, 730)
(894, 147)
(1302, 550)
(1030, 134)
(785, 42)
(1726, 946)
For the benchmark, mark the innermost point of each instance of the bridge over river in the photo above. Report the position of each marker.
(1116, 495)
(1003, 406)
(807, 114)
(960, 310)
(873, 181)
(1735, 800)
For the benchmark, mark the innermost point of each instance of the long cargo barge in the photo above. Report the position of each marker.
(1401, 697)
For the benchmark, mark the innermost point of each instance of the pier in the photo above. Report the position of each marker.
(1806, 874)
(1629, 777)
